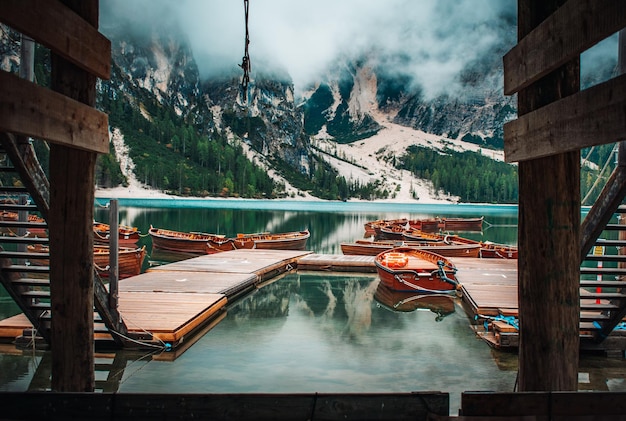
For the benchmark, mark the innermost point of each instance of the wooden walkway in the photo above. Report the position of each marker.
(489, 286)
(175, 301)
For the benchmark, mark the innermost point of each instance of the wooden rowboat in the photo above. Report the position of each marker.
(462, 224)
(184, 242)
(126, 235)
(488, 250)
(450, 249)
(130, 259)
(202, 243)
(32, 231)
(400, 301)
(498, 251)
(283, 241)
(410, 269)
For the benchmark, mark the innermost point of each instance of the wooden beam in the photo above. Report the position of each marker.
(548, 236)
(544, 405)
(34, 111)
(594, 116)
(602, 210)
(57, 27)
(25, 160)
(414, 406)
(72, 180)
(573, 28)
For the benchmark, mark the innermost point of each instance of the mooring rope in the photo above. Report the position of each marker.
(245, 63)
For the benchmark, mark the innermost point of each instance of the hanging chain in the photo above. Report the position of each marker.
(245, 64)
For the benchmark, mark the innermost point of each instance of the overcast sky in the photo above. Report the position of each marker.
(436, 37)
(430, 40)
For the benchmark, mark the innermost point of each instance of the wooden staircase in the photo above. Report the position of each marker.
(22, 272)
(603, 284)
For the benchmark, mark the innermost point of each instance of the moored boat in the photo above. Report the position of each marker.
(129, 259)
(126, 235)
(428, 225)
(203, 243)
(498, 251)
(283, 241)
(184, 242)
(462, 224)
(449, 249)
(32, 231)
(411, 269)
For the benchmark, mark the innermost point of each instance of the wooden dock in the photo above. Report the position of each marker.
(175, 301)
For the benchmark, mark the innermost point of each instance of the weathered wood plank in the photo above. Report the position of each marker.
(197, 282)
(591, 117)
(31, 110)
(57, 27)
(549, 209)
(572, 29)
(545, 405)
(70, 226)
(23, 157)
(305, 406)
(338, 263)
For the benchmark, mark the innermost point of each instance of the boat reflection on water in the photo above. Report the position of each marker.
(160, 257)
(400, 301)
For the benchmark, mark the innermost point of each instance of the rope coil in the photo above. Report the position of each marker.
(245, 63)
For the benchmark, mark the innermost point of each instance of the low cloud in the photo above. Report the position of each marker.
(436, 39)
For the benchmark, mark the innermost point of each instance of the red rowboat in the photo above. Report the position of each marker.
(126, 235)
(372, 248)
(129, 259)
(410, 269)
(184, 242)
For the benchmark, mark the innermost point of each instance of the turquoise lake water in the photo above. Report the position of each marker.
(311, 332)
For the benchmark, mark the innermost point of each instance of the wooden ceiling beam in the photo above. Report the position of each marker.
(591, 117)
(572, 29)
(57, 27)
(34, 111)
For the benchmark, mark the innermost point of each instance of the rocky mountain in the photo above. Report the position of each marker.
(336, 125)
(348, 103)
(354, 101)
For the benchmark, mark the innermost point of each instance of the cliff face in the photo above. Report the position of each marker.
(354, 100)
(267, 120)
(159, 65)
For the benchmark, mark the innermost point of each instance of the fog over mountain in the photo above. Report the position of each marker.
(345, 86)
(429, 41)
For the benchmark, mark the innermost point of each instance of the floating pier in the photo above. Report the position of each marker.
(173, 302)
(180, 301)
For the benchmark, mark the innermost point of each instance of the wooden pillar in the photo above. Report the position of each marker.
(549, 237)
(71, 234)
(621, 152)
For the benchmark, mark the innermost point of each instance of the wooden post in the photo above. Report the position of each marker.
(113, 252)
(71, 234)
(27, 66)
(549, 237)
(621, 151)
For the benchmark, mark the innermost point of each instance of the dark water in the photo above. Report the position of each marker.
(313, 332)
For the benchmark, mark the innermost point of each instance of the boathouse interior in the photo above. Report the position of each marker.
(555, 121)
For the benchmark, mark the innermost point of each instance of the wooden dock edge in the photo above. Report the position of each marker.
(545, 405)
(177, 336)
(306, 406)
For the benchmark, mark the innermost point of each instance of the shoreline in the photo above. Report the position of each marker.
(299, 204)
